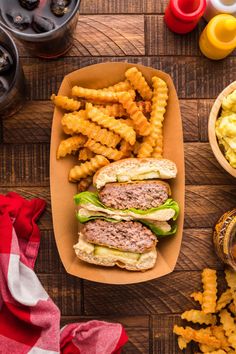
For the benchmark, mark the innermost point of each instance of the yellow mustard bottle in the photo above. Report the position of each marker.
(219, 37)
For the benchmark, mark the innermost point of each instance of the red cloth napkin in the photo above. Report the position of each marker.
(29, 320)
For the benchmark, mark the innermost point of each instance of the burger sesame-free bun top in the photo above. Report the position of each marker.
(134, 169)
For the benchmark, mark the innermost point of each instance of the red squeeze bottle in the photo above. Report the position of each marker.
(181, 16)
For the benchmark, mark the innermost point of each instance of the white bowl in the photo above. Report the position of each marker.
(214, 114)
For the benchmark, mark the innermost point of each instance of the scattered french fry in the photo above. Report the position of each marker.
(209, 295)
(232, 308)
(197, 296)
(231, 280)
(182, 343)
(216, 338)
(224, 300)
(197, 316)
(229, 327)
(199, 336)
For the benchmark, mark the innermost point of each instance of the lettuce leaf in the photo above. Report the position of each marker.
(156, 230)
(84, 219)
(92, 198)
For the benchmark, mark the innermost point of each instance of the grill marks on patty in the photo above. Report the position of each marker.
(129, 236)
(140, 195)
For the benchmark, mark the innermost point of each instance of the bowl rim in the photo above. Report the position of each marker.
(214, 114)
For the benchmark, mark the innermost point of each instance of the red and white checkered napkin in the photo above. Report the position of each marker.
(29, 320)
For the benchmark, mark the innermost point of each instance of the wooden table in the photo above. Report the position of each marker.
(134, 31)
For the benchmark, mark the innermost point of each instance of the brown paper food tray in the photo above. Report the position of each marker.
(62, 192)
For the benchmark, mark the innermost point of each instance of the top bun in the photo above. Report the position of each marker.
(134, 169)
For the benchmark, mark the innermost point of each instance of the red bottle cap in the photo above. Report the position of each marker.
(182, 16)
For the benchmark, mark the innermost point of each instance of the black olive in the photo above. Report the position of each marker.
(19, 20)
(5, 61)
(29, 4)
(58, 7)
(4, 86)
(42, 24)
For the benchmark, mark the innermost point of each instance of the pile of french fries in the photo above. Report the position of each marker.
(217, 314)
(109, 124)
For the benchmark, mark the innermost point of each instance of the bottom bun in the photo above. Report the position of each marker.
(110, 258)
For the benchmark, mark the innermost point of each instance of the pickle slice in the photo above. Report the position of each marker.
(105, 252)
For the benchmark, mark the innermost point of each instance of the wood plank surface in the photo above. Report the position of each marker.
(65, 292)
(192, 76)
(169, 294)
(122, 6)
(133, 31)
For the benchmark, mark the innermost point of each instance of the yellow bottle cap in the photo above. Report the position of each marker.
(230, 25)
(221, 31)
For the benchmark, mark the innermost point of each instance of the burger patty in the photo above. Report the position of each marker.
(127, 236)
(140, 195)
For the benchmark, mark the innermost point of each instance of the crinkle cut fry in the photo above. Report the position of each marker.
(230, 276)
(197, 316)
(232, 308)
(65, 102)
(78, 124)
(197, 296)
(142, 126)
(125, 148)
(199, 336)
(70, 145)
(153, 143)
(120, 86)
(85, 154)
(97, 148)
(139, 83)
(88, 168)
(224, 300)
(84, 184)
(117, 110)
(126, 132)
(206, 348)
(98, 95)
(182, 343)
(209, 295)
(92, 94)
(219, 351)
(219, 333)
(229, 327)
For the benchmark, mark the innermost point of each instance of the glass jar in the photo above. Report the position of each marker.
(15, 91)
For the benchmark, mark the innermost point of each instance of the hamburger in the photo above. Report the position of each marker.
(129, 211)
